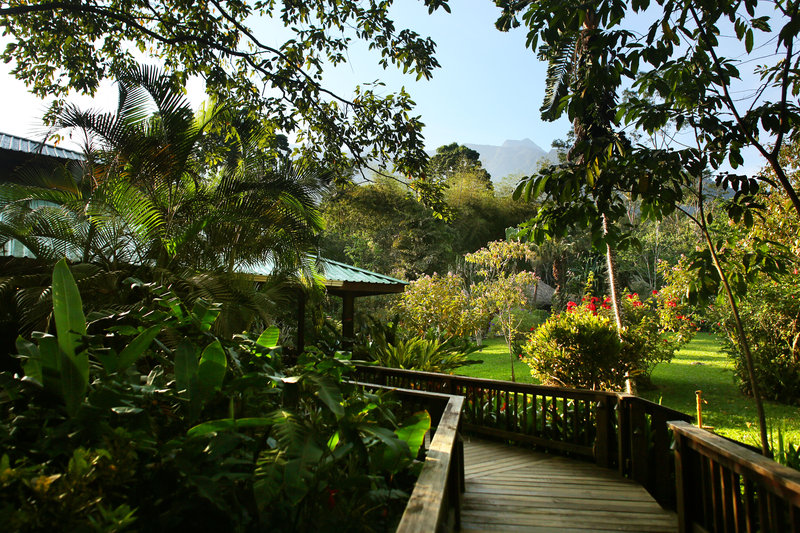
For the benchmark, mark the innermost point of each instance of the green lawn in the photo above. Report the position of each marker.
(699, 366)
(496, 363)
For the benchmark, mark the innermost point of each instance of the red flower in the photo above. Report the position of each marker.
(655, 292)
(637, 304)
(671, 303)
(332, 498)
(591, 307)
(605, 306)
(595, 299)
(630, 297)
(679, 317)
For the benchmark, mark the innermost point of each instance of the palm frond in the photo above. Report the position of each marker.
(560, 65)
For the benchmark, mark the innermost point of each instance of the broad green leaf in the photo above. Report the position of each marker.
(330, 394)
(136, 347)
(69, 318)
(32, 366)
(73, 384)
(333, 442)
(185, 366)
(413, 431)
(206, 314)
(269, 338)
(50, 361)
(228, 424)
(213, 364)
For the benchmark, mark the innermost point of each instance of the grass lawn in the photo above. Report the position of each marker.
(727, 410)
(700, 365)
(496, 363)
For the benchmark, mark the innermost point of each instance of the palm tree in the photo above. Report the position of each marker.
(151, 203)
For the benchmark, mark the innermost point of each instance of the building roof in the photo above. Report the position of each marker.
(28, 146)
(336, 271)
(341, 278)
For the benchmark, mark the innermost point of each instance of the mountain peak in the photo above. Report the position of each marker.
(524, 143)
(514, 157)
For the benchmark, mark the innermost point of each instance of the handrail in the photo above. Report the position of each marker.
(722, 486)
(615, 430)
(644, 445)
(435, 502)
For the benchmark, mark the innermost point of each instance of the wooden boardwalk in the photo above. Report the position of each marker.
(513, 489)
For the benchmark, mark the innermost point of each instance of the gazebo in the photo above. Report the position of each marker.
(345, 281)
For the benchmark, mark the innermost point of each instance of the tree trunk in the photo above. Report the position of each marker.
(613, 284)
(744, 343)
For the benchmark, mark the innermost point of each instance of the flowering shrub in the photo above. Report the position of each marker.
(654, 329)
(578, 348)
(581, 347)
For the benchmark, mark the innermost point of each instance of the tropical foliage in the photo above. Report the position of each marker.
(388, 344)
(154, 422)
(162, 198)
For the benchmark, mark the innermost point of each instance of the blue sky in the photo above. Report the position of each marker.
(488, 89)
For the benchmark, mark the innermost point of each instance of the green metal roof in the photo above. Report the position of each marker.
(28, 146)
(336, 271)
(340, 278)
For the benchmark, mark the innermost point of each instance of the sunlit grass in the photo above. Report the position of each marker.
(496, 363)
(700, 365)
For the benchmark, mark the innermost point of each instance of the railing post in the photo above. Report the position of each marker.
(639, 452)
(623, 433)
(662, 469)
(602, 442)
(683, 482)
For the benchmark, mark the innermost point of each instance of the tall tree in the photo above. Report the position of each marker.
(454, 159)
(235, 47)
(582, 80)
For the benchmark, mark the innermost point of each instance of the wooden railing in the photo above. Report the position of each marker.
(722, 486)
(616, 431)
(644, 451)
(435, 502)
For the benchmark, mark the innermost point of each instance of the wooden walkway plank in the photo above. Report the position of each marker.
(514, 489)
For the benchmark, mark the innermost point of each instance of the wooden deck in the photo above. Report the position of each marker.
(513, 489)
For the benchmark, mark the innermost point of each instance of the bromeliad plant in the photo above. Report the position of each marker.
(146, 419)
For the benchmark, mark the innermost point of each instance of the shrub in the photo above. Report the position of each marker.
(582, 348)
(656, 328)
(772, 308)
(579, 349)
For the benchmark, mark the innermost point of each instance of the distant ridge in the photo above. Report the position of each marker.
(513, 157)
